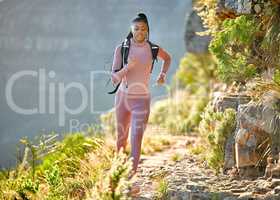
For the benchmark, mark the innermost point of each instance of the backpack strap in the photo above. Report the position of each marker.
(124, 53)
(154, 49)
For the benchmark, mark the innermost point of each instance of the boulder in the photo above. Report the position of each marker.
(262, 117)
(195, 43)
(221, 102)
(237, 7)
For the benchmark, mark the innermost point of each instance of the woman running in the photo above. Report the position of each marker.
(132, 100)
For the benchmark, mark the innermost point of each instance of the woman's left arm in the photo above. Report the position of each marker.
(164, 55)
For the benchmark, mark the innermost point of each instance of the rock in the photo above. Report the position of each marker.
(262, 187)
(244, 6)
(223, 101)
(229, 198)
(277, 190)
(190, 181)
(147, 196)
(171, 193)
(193, 42)
(178, 195)
(194, 187)
(198, 179)
(271, 197)
(229, 153)
(231, 5)
(245, 196)
(237, 7)
(257, 8)
(261, 120)
(227, 7)
(250, 172)
(200, 196)
(275, 182)
(237, 190)
(245, 148)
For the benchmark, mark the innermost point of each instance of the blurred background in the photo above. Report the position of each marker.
(72, 39)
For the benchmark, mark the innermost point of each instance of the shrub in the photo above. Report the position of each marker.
(215, 128)
(195, 71)
(232, 47)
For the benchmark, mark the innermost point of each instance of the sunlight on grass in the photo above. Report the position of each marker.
(156, 143)
(176, 157)
(162, 190)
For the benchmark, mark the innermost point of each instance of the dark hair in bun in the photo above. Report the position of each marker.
(141, 17)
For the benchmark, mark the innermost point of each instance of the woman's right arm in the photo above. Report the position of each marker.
(116, 76)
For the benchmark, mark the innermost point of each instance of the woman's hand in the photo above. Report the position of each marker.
(132, 62)
(161, 78)
(117, 76)
(115, 79)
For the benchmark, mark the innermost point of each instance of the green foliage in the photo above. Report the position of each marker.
(53, 176)
(215, 196)
(31, 186)
(176, 157)
(95, 130)
(159, 112)
(179, 114)
(198, 107)
(197, 149)
(162, 190)
(115, 184)
(27, 186)
(46, 144)
(216, 127)
(108, 122)
(68, 153)
(207, 10)
(232, 47)
(155, 143)
(195, 71)
(55, 182)
(276, 77)
(77, 165)
(270, 45)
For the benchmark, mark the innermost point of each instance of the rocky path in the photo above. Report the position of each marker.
(187, 178)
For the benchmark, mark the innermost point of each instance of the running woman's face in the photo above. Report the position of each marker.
(139, 31)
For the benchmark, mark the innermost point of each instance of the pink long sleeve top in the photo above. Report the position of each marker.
(137, 79)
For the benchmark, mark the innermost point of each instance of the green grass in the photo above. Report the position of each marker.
(162, 190)
(176, 157)
(77, 167)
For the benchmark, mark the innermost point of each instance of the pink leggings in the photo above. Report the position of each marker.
(134, 110)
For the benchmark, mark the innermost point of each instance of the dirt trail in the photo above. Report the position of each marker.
(191, 179)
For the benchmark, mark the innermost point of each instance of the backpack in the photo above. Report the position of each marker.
(125, 51)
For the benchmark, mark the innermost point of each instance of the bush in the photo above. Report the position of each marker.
(77, 165)
(68, 152)
(179, 114)
(195, 71)
(114, 185)
(232, 47)
(108, 122)
(215, 128)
